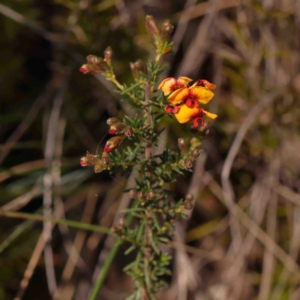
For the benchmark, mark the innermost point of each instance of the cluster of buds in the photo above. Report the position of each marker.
(160, 35)
(190, 152)
(98, 65)
(99, 164)
(103, 163)
(185, 98)
(119, 128)
(143, 197)
(164, 33)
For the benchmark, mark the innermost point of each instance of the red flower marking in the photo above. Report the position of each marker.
(177, 85)
(83, 162)
(83, 70)
(198, 118)
(192, 102)
(112, 131)
(107, 148)
(172, 109)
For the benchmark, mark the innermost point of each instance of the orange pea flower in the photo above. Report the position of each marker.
(184, 101)
(195, 114)
(191, 96)
(171, 84)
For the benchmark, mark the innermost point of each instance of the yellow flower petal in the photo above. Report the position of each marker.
(170, 84)
(203, 94)
(185, 113)
(184, 80)
(210, 115)
(166, 85)
(178, 96)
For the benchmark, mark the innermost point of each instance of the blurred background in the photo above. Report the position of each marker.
(242, 239)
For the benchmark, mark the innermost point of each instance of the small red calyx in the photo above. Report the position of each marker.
(168, 109)
(191, 103)
(171, 109)
(198, 120)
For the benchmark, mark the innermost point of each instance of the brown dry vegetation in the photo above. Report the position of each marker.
(242, 239)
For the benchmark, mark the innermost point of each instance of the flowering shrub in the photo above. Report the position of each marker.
(153, 207)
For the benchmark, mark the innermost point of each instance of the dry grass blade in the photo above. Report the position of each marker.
(50, 179)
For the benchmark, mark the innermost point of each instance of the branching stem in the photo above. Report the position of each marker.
(148, 229)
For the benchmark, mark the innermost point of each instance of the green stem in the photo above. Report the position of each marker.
(110, 258)
(40, 218)
(15, 234)
(116, 82)
(105, 269)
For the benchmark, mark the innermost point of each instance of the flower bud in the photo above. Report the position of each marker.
(188, 163)
(90, 69)
(133, 194)
(137, 67)
(116, 128)
(182, 144)
(93, 59)
(166, 29)
(149, 195)
(112, 121)
(195, 153)
(113, 143)
(108, 54)
(189, 197)
(99, 167)
(134, 71)
(140, 65)
(151, 26)
(89, 160)
(95, 65)
(128, 131)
